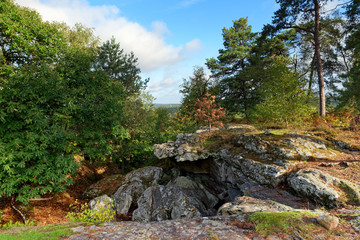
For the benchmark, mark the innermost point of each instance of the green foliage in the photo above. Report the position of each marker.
(267, 223)
(94, 101)
(350, 94)
(24, 37)
(237, 90)
(121, 66)
(54, 103)
(194, 88)
(85, 214)
(180, 123)
(34, 146)
(12, 224)
(283, 95)
(78, 36)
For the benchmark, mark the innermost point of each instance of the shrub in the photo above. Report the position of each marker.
(83, 213)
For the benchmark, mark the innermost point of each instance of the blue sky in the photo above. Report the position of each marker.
(168, 37)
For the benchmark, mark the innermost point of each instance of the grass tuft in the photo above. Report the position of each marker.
(267, 223)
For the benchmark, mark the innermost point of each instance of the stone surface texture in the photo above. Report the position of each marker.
(136, 183)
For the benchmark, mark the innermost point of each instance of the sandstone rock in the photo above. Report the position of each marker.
(146, 175)
(78, 229)
(136, 183)
(323, 188)
(181, 198)
(351, 190)
(269, 174)
(103, 204)
(165, 150)
(226, 168)
(303, 147)
(238, 170)
(315, 185)
(253, 143)
(241, 128)
(248, 205)
(328, 221)
(107, 185)
(127, 195)
(165, 202)
(206, 129)
(185, 148)
(196, 190)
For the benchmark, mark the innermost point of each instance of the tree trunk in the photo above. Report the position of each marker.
(318, 58)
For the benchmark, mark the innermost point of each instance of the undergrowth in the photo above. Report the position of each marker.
(83, 213)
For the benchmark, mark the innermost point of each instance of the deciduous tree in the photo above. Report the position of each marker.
(208, 112)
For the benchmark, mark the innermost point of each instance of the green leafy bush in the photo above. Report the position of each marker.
(283, 96)
(83, 213)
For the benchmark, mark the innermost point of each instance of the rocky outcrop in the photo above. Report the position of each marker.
(136, 183)
(185, 148)
(254, 174)
(238, 170)
(323, 188)
(269, 174)
(165, 202)
(315, 185)
(181, 198)
(304, 147)
(199, 192)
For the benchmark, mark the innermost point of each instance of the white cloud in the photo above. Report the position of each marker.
(160, 86)
(332, 5)
(194, 45)
(148, 45)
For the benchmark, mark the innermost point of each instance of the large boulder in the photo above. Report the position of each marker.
(136, 183)
(269, 174)
(315, 185)
(106, 186)
(181, 198)
(238, 170)
(160, 202)
(323, 188)
(199, 192)
(103, 206)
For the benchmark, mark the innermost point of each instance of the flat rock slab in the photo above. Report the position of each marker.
(202, 228)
